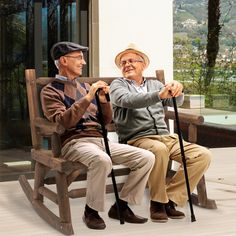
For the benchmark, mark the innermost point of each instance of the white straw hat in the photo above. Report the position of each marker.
(132, 48)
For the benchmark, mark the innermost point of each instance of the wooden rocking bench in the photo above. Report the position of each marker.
(51, 168)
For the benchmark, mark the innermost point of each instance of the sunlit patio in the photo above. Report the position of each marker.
(19, 218)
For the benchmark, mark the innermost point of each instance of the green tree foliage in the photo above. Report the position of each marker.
(203, 66)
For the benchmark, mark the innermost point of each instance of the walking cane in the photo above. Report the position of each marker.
(183, 159)
(104, 132)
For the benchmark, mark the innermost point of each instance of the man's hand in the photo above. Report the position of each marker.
(171, 89)
(103, 89)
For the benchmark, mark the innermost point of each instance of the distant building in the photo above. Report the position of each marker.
(189, 23)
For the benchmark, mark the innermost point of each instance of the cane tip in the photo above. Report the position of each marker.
(122, 221)
(193, 218)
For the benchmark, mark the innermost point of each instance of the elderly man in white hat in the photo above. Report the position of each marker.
(138, 111)
(72, 104)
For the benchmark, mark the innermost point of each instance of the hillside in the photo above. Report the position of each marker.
(190, 20)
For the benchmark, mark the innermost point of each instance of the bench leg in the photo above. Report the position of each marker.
(200, 199)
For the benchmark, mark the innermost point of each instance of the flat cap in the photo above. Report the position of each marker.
(62, 48)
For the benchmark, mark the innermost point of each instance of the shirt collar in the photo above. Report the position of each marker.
(133, 82)
(61, 77)
(64, 79)
(142, 88)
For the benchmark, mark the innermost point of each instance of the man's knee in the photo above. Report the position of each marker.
(160, 151)
(206, 156)
(149, 158)
(203, 158)
(144, 158)
(104, 163)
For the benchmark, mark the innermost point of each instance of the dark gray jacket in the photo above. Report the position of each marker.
(137, 114)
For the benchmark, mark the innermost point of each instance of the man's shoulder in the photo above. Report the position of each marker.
(154, 81)
(52, 89)
(118, 80)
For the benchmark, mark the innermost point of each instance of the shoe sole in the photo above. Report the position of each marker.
(159, 221)
(130, 222)
(176, 217)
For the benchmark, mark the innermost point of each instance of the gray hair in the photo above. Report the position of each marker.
(57, 64)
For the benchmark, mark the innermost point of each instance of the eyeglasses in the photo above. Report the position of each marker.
(79, 58)
(130, 61)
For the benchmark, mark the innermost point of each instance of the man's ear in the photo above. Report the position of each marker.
(63, 60)
(143, 66)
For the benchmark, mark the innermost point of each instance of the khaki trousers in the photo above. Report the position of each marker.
(91, 152)
(165, 148)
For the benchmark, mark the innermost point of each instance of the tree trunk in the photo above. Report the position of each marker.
(212, 39)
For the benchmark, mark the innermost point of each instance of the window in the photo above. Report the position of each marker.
(28, 30)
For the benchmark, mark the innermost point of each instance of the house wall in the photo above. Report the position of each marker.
(145, 23)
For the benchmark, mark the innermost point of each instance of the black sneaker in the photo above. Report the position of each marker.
(93, 220)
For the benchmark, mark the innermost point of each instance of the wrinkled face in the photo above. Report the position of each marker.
(132, 66)
(72, 64)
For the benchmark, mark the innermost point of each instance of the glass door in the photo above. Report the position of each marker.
(28, 29)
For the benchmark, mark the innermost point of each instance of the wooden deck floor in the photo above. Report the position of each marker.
(18, 217)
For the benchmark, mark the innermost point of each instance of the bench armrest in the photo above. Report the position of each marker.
(185, 117)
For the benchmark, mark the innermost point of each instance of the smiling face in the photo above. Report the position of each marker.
(71, 64)
(132, 66)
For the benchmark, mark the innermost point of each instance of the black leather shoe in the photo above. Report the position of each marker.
(172, 212)
(93, 221)
(127, 215)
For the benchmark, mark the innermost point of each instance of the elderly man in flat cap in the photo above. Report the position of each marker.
(138, 107)
(72, 104)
